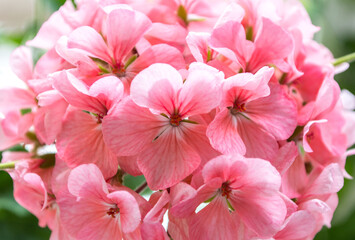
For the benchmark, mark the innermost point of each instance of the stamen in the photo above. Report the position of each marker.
(119, 71)
(225, 189)
(113, 212)
(175, 120)
(237, 108)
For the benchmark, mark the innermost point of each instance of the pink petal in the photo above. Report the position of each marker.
(128, 128)
(76, 93)
(348, 128)
(213, 222)
(285, 157)
(223, 134)
(299, 225)
(257, 141)
(223, 167)
(18, 97)
(246, 87)
(156, 87)
(310, 82)
(263, 212)
(254, 196)
(160, 53)
(276, 113)
(48, 121)
(181, 192)
(49, 63)
(255, 173)
(168, 160)
(233, 45)
(153, 231)
(108, 90)
(306, 130)
(129, 164)
(81, 141)
(234, 12)
(104, 228)
(21, 63)
(30, 192)
(48, 98)
(86, 181)
(201, 90)
(172, 34)
(152, 224)
(122, 38)
(295, 179)
(186, 205)
(87, 218)
(90, 42)
(5, 140)
(200, 142)
(329, 136)
(330, 180)
(130, 215)
(327, 97)
(272, 43)
(178, 228)
(320, 210)
(13, 129)
(76, 57)
(197, 43)
(157, 212)
(55, 27)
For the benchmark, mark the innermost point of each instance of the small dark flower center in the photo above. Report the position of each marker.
(119, 71)
(113, 212)
(237, 108)
(175, 120)
(226, 189)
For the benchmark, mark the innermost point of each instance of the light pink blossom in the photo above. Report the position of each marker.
(89, 211)
(154, 122)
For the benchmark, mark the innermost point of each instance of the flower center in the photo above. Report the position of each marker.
(237, 108)
(119, 71)
(175, 120)
(226, 189)
(113, 212)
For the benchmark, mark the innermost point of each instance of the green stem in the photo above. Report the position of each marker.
(141, 188)
(7, 165)
(347, 58)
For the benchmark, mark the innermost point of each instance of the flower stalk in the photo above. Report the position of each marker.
(7, 165)
(347, 58)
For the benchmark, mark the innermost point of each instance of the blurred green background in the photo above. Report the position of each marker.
(21, 19)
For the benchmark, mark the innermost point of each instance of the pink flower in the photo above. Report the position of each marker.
(299, 225)
(115, 50)
(65, 20)
(83, 130)
(253, 116)
(238, 191)
(89, 211)
(13, 129)
(155, 123)
(271, 45)
(323, 139)
(31, 193)
(49, 116)
(151, 227)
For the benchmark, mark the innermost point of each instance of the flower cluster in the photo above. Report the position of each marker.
(229, 110)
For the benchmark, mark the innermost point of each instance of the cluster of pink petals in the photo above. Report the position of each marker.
(228, 108)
